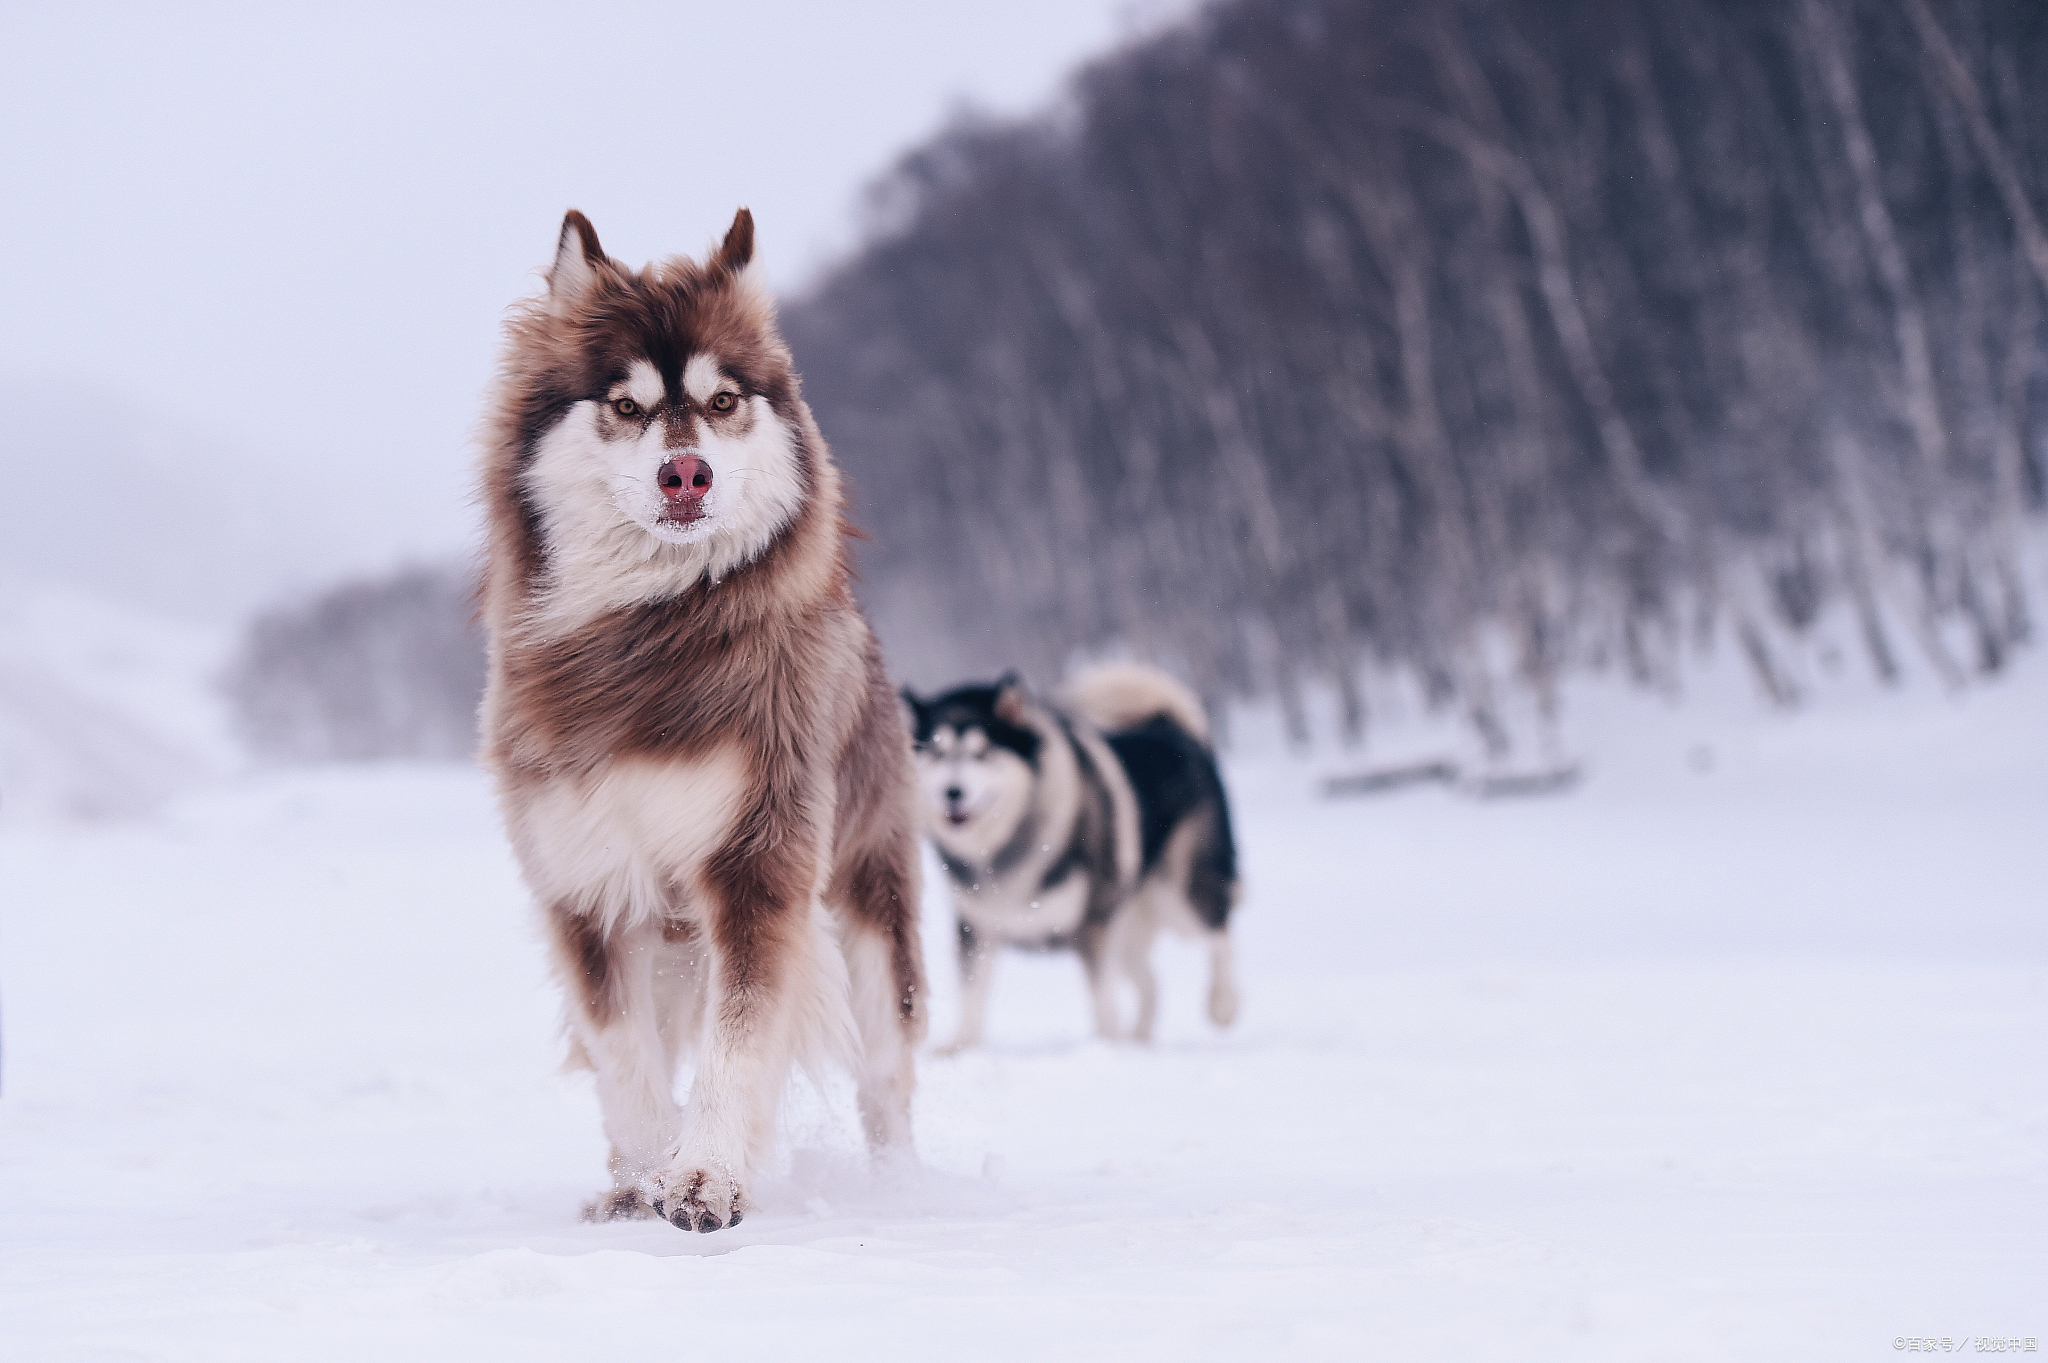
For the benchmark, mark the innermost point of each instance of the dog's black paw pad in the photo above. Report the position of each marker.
(695, 1200)
(700, 1219)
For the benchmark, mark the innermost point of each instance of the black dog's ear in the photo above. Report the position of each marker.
(1009, 703)
(917, 709)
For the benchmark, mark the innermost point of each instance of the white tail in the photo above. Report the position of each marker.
(1124, 695)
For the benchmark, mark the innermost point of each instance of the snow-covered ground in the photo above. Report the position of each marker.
(1737, 1050)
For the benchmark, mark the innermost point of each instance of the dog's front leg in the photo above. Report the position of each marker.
(1090, 944)
(614, 1018)
(768, 982)
(977, 974)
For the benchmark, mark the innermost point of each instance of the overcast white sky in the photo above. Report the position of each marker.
(256, 257)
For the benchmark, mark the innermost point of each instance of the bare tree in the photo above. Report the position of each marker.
(1315, 337)
(391, 667)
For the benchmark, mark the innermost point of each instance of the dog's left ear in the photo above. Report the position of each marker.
(1009, 706)
(738, 247)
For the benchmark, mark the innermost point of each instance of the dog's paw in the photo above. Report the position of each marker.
(699, 1199)
(620, 1204)
(954, 1047)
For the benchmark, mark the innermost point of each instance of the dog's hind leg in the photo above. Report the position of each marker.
(1131, 934)
(615, 1021)
(1222, 979)
(1213, 929)
(1204, 868)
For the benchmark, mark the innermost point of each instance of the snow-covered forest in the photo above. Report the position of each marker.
(1479, 344)
(1485, 341)
(382, 668)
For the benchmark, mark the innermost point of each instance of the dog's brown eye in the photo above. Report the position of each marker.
(721, 402)
(625, 406)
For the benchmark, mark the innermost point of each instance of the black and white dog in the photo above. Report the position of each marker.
(1084, 827)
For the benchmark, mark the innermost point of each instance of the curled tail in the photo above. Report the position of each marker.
(1120, 696)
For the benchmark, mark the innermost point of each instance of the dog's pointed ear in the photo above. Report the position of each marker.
(578, 259)
(1009, 705)
(738, 247)
(917, 709)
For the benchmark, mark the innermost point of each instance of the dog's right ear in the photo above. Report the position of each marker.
(917, 709)
(737, 249)
(578, 258)
(1009, 703)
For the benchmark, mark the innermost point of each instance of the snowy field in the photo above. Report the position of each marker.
(1735, 1051)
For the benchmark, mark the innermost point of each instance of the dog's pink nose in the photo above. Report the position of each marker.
(685, 480)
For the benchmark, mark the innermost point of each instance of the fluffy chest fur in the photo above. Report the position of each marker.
(625, 845)
(673, 681)
(1022, 910)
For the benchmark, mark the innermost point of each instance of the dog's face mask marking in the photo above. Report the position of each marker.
(968, 780)
(684, 467)
(976, 770)
(668, 457)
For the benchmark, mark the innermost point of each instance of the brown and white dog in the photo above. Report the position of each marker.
(701, 765)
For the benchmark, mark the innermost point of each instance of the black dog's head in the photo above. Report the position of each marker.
(977, 756)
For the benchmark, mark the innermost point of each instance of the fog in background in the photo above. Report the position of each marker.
(1303, 348)
(257, 256)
